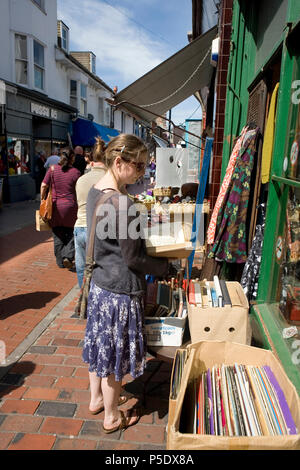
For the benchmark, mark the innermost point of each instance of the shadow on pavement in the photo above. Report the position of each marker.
(23, 239)
(12, 376)
(18, 303)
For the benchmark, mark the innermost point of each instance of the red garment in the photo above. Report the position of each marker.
(63, 195)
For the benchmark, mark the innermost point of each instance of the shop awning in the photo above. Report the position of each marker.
(172, 81)
(84, 132)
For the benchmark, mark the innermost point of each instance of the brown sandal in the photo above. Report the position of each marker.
(124, 424)
(122, 401)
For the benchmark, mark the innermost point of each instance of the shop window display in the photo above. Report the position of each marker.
(18, 156)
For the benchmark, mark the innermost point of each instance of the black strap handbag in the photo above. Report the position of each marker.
(81, 307)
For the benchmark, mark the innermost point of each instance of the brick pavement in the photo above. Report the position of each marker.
(44, 395)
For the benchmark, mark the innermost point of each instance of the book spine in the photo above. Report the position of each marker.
(225, 293)
(198, 297)
(214, 297)
(218, 291)
(208, 294)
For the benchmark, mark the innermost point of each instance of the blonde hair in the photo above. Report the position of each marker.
(129, 146)
(98, 152)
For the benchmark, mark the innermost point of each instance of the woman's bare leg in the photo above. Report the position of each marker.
(96, 391)
(111, 390)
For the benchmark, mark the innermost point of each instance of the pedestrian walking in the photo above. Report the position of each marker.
(88, 158)
(40, 169)
(62, 178)
(152, 170)
(79, 162)
(52, 159)
(83, 185)
(115, 341)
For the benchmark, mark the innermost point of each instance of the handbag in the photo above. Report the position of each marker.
(46, 203)
(81, 306)
(40, 224)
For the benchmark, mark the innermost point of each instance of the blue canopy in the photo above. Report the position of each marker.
(84, 132)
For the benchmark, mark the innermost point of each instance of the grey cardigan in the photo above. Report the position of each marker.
(121, 263)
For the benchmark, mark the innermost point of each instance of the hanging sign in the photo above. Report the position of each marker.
(279, 248)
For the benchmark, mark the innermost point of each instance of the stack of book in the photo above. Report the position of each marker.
(209, 294)
(166, 299)
(237, 400)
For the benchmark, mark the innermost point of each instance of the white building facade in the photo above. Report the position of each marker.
(45, 88)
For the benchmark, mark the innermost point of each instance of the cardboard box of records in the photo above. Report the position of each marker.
(218, 311)
(232, 397)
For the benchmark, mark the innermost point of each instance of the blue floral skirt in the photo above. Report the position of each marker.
(115, 340)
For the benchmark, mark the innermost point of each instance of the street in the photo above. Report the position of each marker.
(44, 386)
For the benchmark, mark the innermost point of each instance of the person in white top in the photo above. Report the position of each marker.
(83, 185)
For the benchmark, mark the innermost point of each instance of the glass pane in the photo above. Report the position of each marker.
(38, 50)
(21, 72)
(73, 87)
(293, 140)
(83, 107)
(64, 38)
(290, 289)
(18, 156)
(20, 47)
(38, 78)
(83, 90)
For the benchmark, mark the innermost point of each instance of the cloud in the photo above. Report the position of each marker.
(124, 51)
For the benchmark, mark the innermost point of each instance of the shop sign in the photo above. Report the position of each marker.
(44, 111)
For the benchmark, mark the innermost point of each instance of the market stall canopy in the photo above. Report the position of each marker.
(84, 132)
(172, 81)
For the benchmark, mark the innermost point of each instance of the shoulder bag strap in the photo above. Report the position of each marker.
(90, 251)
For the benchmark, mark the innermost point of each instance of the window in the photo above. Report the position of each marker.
(93, 64)
(83, 98)
(122, 122)
(21, 59)
(18, 156)
(64, 38)
(101, 110)
(73, 93)
(39, 72)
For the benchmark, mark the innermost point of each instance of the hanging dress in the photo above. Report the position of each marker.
(231, 239)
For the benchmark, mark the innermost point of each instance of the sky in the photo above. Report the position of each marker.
(130, 38)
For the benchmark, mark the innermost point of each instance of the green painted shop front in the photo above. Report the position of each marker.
(265, 51)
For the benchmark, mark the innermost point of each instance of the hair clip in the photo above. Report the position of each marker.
(122, 149)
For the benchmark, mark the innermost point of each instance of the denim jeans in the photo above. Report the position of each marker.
(80, 254)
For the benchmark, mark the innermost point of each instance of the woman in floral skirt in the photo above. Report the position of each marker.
(115, 342)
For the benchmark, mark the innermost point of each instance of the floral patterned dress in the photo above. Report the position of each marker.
(115, 340)
(230, 241)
